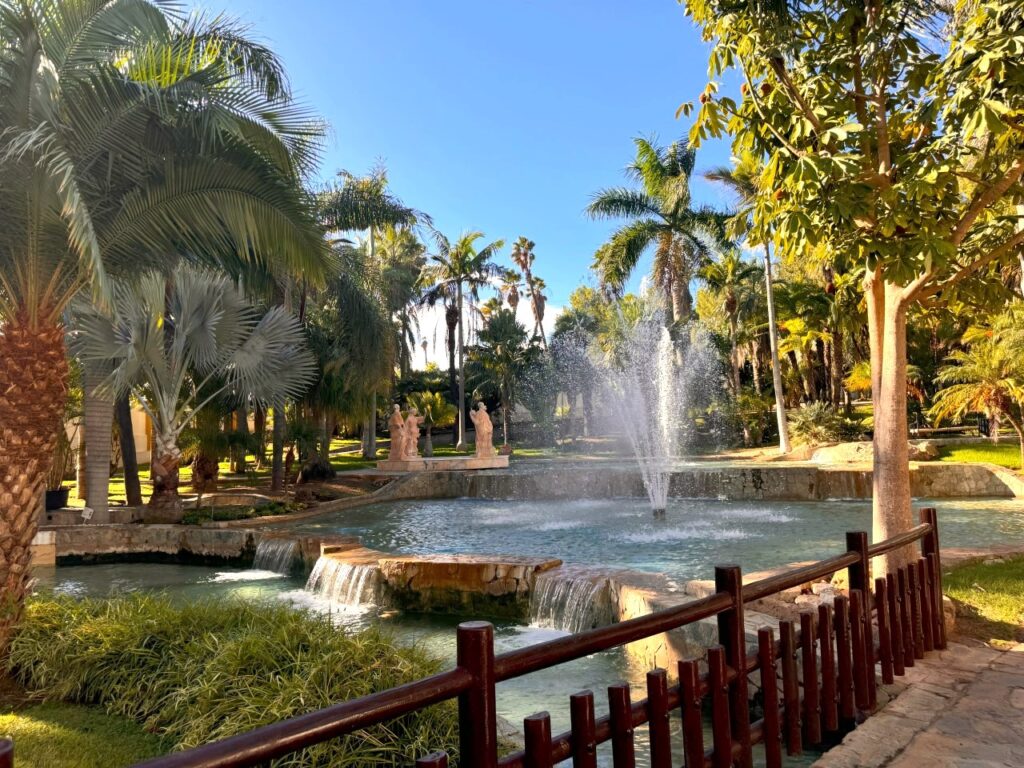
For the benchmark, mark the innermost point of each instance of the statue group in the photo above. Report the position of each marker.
(405, 433)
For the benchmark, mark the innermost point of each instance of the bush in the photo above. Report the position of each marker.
(209, 670)
(820, 423)
(236, 512)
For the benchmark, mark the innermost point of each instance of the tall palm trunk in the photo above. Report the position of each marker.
(451, 317)
(129, 454)
(277, 449)
(259, 419)
(773, 339)
(165, 503)
(98, 417)
(462, 378)
(370, 430)
(33, 388)
(734, 354)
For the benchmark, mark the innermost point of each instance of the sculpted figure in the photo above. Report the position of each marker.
(411, 438)
(484, 431)
(396, 428)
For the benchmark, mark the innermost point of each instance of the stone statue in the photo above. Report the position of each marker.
(396, 428)
(484, 431)
(411, 436)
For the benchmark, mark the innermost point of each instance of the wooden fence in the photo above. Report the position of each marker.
(818, 676)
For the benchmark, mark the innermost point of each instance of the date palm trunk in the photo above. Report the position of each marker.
(277, 448)
(129, 453)
(887, 330)
(165, 503)
(33, 388)
(461, 444)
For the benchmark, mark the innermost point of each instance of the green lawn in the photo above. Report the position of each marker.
(990, 599)
(56, 735)
(1005, 454)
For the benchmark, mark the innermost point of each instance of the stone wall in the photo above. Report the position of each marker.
(169, 543)
(772, 482)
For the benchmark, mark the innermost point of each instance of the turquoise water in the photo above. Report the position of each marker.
(693, 536)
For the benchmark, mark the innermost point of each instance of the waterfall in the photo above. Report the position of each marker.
(275, 554)
(570, 599)
(344, 583)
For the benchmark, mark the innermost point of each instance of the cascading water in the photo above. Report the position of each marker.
(570, 599)
(342, 583)
(275, 554)
(651, 381)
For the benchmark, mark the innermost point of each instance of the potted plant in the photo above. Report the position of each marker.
(56, 492)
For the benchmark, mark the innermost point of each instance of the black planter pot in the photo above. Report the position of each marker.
(56, 499)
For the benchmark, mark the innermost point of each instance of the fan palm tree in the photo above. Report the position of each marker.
(729, 278)
(523, 257)
(661, 214)
(127, 133)
(986, 377)
(179, 351)
(450, 272)
(742, 179)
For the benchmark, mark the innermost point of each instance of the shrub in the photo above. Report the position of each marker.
(820, 423)
(213, 669)
(236, 512)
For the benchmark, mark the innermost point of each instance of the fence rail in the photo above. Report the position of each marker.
(818, 676)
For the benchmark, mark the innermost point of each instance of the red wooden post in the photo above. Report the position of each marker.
(930, 550)
(770, 694)
(860, 579)
(581, 718)
(790, 687)
(721, 730)
(906, 616)
(844, 655)
(860, 655)
(829, 691)
(732, 636)
(914, 588)
(892, 593)
(537, 733)
(433, 760)
(809, 659)
(620, 711)
(693, 724)
(478, 722)
(927, 617)
(6, 753)
(658, 719)
(884, 637)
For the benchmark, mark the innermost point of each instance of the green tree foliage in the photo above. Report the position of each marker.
(502, 355)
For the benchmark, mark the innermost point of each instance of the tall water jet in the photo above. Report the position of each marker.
(650, 382)
(275, 554)
(342, 583)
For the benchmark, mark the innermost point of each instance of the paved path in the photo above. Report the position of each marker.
(963, 707)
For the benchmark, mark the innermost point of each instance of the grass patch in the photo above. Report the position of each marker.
(58, 735)
(1003, 454)
(990, 599)
(199, 672)
(236, 512)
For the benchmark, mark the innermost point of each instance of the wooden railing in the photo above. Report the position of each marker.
(824, 672)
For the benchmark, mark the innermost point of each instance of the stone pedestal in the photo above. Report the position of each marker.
(443, 463)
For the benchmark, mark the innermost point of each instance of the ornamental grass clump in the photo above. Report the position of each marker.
(213, 669)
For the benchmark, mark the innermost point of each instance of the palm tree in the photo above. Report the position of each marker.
(180, 351)
(660, 213)
(986, 377)
(729, 277)
(510, 279)
(127, 133)
(436, 412)
(450, 272)
(523, 257)
(401, 259)
(742, 180)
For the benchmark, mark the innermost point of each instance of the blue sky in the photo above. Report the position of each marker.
(498, 116)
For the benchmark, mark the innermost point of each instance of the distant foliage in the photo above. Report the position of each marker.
(211, 669)
(821, 423)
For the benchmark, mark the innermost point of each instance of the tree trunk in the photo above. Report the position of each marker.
(238, 460)
(504, 420)
(165, 503)
(428, 440)
(370, 431)
(838, 367)
(461, 444)
(755, 365)
(98, 416)
(887, 326)
(129, 454)
(734, 355)
(277, 449)
(81, 481)
(260, 430)
(33, 389)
